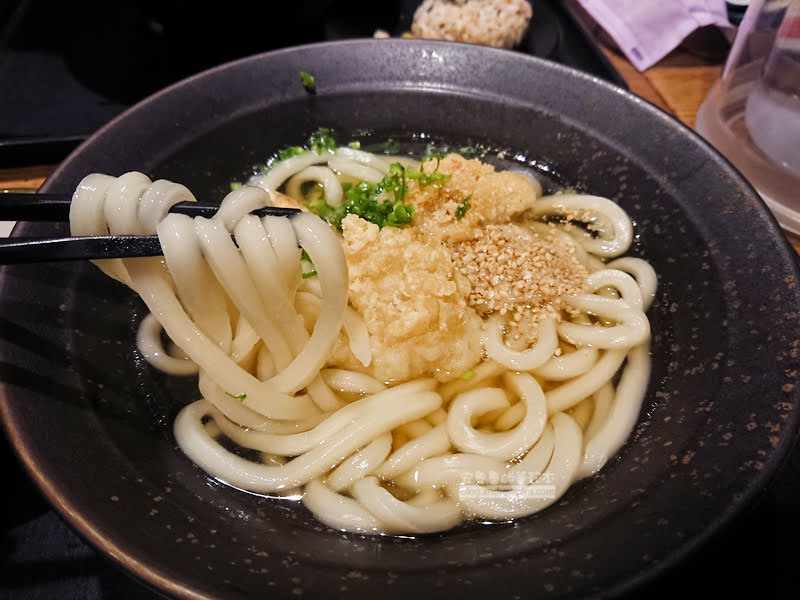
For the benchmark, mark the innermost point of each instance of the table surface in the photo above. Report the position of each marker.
(678, 84)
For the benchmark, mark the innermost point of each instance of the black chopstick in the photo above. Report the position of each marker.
(55, 207)
(22, 250)
(22, 206)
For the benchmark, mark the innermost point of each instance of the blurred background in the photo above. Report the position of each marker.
(67, 68)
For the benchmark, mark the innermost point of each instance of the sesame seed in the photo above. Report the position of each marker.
(513, 270)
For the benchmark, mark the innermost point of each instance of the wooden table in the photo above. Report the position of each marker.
(677, 84)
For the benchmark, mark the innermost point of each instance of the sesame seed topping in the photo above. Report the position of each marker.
(515, 271)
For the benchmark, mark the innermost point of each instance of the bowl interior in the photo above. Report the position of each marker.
(92, 420)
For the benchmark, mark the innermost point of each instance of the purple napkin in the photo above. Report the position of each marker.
(648, 30)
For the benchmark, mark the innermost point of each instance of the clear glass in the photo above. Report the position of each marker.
(752, 114)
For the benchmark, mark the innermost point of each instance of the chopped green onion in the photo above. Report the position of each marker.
(390, 146)
(462, 207)
(235, 185)
(467, 375)
(291, 151)
(240, 397)
(431, 154)
(306, 258)
(307, 79)
(424, 179)
(475, 151)
(322, 140)
(364, 200)
(472, 151)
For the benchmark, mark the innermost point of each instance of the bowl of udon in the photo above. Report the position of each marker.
(522, 333)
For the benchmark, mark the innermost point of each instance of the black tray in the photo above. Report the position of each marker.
(68, 68)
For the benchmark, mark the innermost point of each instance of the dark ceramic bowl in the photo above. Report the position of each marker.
(92, 422)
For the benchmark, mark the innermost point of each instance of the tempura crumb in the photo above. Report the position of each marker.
(283, 201)
(413, 301)
(492, 197)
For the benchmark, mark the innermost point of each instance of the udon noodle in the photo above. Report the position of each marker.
(470, 364)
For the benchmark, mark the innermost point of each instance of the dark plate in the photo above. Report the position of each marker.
(91, 421)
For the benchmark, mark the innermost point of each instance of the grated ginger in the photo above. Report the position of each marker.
(413, 302)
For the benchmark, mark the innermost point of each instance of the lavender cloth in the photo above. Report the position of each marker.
(648, 30)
